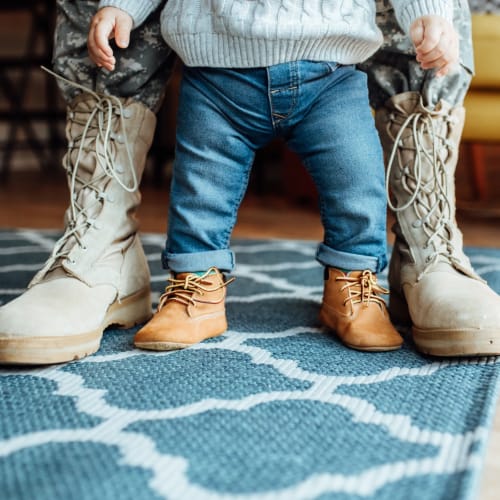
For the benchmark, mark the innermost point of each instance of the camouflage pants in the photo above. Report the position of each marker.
(393, 69)
(142, 69)
(485, 6)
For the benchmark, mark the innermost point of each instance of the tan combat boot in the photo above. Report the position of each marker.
(353, 308)
(191, 310)
(97, 274)
(432, 283)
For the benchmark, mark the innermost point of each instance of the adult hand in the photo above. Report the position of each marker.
(107, 23)
(436, 43)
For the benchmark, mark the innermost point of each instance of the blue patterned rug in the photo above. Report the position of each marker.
(274, 410)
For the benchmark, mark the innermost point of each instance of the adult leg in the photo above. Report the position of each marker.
(420, 120)
(97, 274)
(335, 136)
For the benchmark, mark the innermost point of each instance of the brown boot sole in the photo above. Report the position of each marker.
(125, 313)
(166, 345)
(373, 349)
(457, 343)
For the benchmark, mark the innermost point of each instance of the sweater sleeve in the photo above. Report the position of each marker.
(409, 10)
(138, 10)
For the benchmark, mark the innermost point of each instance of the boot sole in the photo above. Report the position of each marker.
(373, 349)
(170, 346)
(123, 313)
(449, 343)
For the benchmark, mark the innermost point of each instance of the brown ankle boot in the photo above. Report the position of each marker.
(190, 311)
(353, 308)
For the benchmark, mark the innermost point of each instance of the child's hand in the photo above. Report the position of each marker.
(108, 22)
(436, 43)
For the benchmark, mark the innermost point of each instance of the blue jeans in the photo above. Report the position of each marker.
(322, 112)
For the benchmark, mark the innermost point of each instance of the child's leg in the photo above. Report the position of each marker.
(220, 124)
(340, 147)
(223, 118)
(338, 143)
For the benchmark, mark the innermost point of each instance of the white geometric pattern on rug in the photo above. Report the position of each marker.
(435, 414)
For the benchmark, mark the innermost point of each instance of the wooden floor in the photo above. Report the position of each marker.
(37, 200)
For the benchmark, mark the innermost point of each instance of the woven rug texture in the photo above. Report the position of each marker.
(275, 409)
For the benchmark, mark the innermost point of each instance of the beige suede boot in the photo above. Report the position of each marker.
(97, 274)
(432, 283)
(191, 310)
(353, 308)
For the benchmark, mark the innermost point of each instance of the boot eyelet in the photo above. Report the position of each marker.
(127, 113)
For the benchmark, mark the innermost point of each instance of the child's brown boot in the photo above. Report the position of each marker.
(352, 306)
(191, 310)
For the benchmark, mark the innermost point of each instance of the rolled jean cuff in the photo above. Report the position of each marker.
(198, 261)
(350, 261)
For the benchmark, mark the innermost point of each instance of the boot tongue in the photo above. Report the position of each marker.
(92, 162)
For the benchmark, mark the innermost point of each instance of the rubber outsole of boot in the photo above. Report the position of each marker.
(170, 346)
(372, 349)
(453, 343)
(124, 313)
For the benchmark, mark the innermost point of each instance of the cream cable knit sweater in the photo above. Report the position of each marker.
(257, 33)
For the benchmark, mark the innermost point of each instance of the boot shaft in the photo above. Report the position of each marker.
(108, 141)
(423, 146)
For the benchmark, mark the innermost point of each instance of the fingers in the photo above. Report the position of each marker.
(98, 43)
(443, 57)
(122, 32)
(417, 32)
(106, 24)
(436, 44)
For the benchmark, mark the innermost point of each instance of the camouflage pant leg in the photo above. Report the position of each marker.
(394, 70)
(485, 6)
(142, 69)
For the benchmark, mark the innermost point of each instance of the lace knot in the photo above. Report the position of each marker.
(363, 288)
(190, 288)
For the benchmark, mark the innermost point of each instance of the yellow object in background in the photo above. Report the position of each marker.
(482, 103)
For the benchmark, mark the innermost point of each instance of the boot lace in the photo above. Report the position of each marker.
(363, 289)
(183, 290)
(429, 198)
(97, 137)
